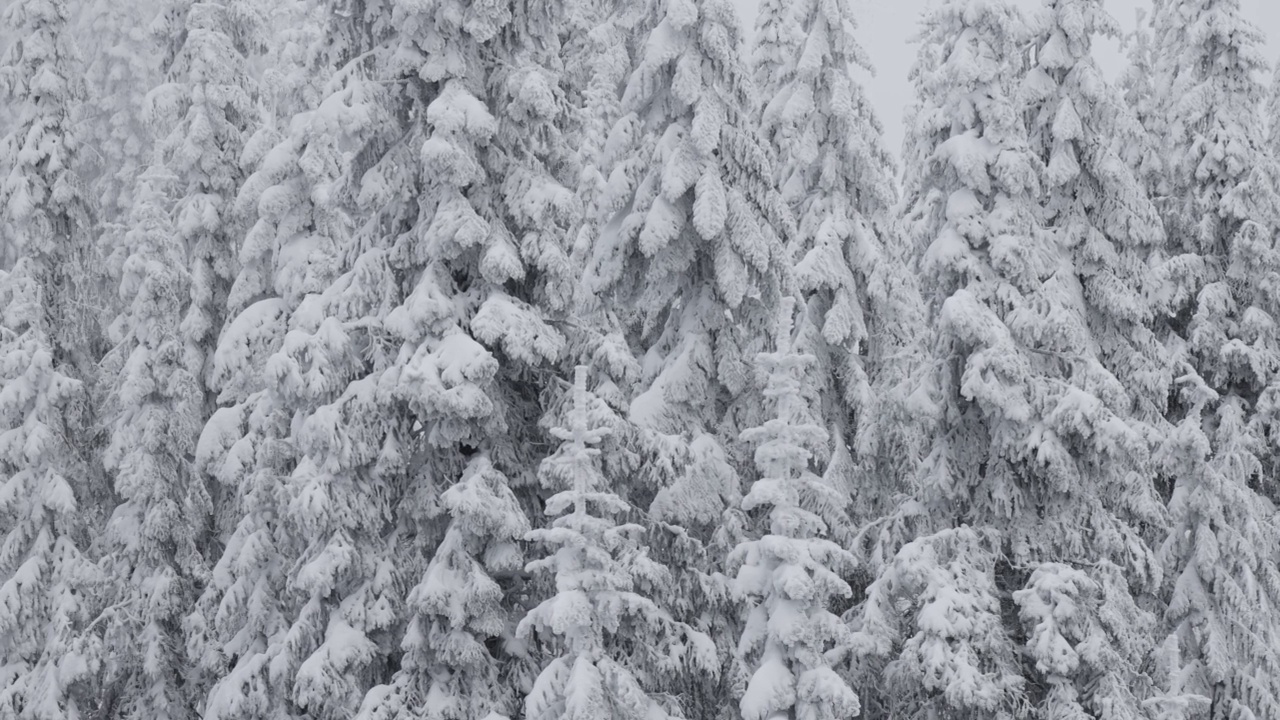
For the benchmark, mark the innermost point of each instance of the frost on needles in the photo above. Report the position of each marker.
(582, 360)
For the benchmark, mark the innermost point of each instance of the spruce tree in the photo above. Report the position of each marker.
(612, 640)
(690, 256)
(204, 113)
(123, 63)
(300, 439)
(1218, 189)
(1085, 628)
(52, 499)
(1273, 113)
(446, 670)
(792, 573)
(686, 271)
(1102, 218)
(152, 555)
(456, 273)
(1031, 233)
(862, 317)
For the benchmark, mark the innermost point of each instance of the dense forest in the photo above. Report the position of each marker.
(580, 360)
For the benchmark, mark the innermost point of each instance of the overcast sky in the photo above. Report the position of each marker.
(886, 26)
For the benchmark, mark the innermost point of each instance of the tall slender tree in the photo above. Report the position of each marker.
(1030, 238)
(1220, 203)
(152, 558)
(465, 216)
(688, 262)
(301, 439)
(612, 640)
(863, 318)
(204, 112)
(1080, 620)
(1273, 113)
(123, 61)
(52, 498)
(693, 223)
(792, 573)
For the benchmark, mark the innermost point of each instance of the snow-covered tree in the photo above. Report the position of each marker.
(1219, 198)
(1273, 113)
(1220, 651)
(612, 638)
(1110, 233)
(1089, 641)
(152, 557)
(456, 270)
(1218, 190)
(1102, 218)
(793, 572)
(931, 629)
(302, 444)
(204, 113)
(1030, 241)
(123, 62)
(862, 316)
(1143, 157)
(448, 670)
(690, 255)
(51, 496)
(684, 268)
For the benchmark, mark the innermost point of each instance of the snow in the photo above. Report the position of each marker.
(487, 360)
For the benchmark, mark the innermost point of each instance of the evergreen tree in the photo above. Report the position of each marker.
(123, 62)
(482, 262)
(447, 671)
(689, 256)
(686, 265)
(1030, 239)
(1110, 232)
(1273, 114)
(1102, 218)
(863, 317)
(1220, 205)
(152, 555)
(930, 635)
(51, 497)
(612, 638)
(438, 324)
(793, 572)
(300, 443)
(204, 113)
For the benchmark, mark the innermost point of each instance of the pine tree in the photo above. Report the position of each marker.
(204, 113)
(1273, 114)
(1102, 217)
(420, 345)
(1030, 239)
(152, 558)
(605, 621)
(448, 671)
(482, 262)
(300, 443)
(863, 317)
(931, 631)
(51, 497)
(686, 271)
(1218, 190)
(123, 62)
(691, 221)
(793, 572)
(1110, 230)
(1144, 157)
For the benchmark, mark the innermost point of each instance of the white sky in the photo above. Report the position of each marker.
(886, 26)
